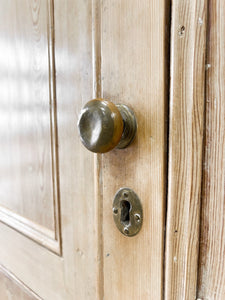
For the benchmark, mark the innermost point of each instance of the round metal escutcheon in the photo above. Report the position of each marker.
(127, 212)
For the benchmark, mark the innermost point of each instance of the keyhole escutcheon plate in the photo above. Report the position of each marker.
(127, 212)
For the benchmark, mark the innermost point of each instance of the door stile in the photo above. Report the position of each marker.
(97, 93)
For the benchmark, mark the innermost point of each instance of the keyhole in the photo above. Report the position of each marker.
(125, 212)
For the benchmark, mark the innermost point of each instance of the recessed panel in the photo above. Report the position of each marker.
(11, 288)
(28, 181)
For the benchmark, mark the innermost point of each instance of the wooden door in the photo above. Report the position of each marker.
(47, 230)
(57, 236)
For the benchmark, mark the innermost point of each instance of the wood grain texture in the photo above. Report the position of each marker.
(79, 208)
(134, 73)
(185, 147)
(13, 289)
(97, 93)
(72, 275)
(211, 284)
(28, 135)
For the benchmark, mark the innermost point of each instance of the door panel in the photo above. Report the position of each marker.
(13, 289)
(41, 156)
(29, 199)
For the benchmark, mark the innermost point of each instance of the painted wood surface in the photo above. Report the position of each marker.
(211, 284)
(187, 73)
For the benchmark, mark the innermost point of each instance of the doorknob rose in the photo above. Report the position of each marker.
(103, 125)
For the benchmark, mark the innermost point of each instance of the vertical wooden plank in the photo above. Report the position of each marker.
(211, 283)
(11, 288)
(134, 72)
(185, 147)
(97, 93)
(74, 77)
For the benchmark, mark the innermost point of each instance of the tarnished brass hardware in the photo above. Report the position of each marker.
(130, 126)
(103, 125)
(127, 212)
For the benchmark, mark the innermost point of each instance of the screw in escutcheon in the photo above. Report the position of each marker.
(126, 230)
(115, 210)
(137, 218)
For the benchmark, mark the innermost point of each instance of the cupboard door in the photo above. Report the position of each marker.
(57, 235)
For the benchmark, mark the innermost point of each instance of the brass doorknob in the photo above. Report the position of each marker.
(103, 125)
